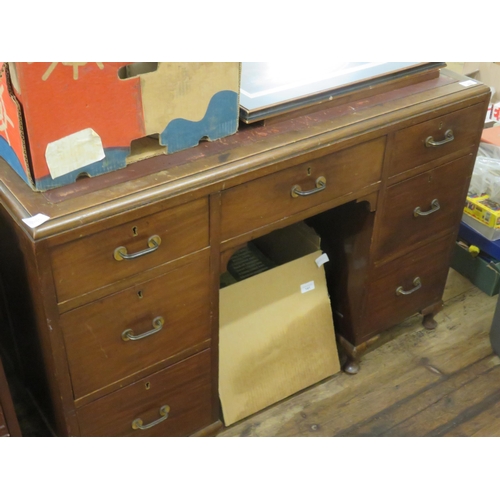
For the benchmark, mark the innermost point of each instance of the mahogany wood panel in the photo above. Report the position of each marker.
(88, 264)
(266, 200)
(9, 426)
(346, 235)
(184, 387)
(384, 307)
(4, 431)
(215, 272)
(400, 229)
(410, 147)
(97, 354)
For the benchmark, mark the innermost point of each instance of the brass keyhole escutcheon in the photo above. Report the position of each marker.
(140, 294)
(441, 125)
(147, 385)
(309, 171)
(135, 231)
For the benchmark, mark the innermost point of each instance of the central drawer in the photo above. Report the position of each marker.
(129, 331)
(96, 261)
(269, 199)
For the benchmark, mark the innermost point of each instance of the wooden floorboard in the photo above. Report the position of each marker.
(416, 382)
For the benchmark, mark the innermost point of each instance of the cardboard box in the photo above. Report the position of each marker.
(491, 136)
(483, 273)
(276, 328)
(483, 215)
(473, 237)
(60, 121)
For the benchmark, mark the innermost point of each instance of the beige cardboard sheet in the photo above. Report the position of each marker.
(178, 90)
(274, 339)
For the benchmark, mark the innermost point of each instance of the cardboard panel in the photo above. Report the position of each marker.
(178, 90)
(276, 337)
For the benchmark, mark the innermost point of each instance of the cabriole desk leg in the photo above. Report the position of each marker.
(428, 321)
(354, 353)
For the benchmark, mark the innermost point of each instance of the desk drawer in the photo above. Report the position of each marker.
(85, 265)
(420, 278)
(411, 150)
(437, 195)
(184, 388)
(269, 199)
(97, 353)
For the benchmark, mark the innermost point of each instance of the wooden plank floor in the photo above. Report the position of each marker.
(444, 382)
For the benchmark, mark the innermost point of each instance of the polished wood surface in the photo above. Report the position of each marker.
(9, 425)
(411, 150)
(384, 305)
(251, 153)
(93, 333)
(204, 203)
(89, 263)
(263, 201)
(403, 229)
(184, 387)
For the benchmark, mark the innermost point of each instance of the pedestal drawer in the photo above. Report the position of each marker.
(435, 138)
(269, 199)
(423, 206)
(173, 402)
(407, 285)
(93, 262)
(129, 331)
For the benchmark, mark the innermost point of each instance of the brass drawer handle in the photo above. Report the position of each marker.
(448, 137)
(320, 185)
(157, 324)
(121, 253)
(434, 208)
(416, 282)
(138, 424)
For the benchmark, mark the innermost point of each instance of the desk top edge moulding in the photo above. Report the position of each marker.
(115, 297)
(167, 176)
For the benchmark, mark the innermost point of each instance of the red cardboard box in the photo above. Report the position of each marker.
(59, 121)
(491, 136)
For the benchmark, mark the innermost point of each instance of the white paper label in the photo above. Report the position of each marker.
(468, 83)
(307, 287)
(73, 152)
(36, 220)
(322, 259)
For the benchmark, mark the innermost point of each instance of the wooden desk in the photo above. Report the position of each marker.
(388, 174)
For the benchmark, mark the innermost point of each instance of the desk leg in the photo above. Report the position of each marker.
(428, 321)
(354, 353)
